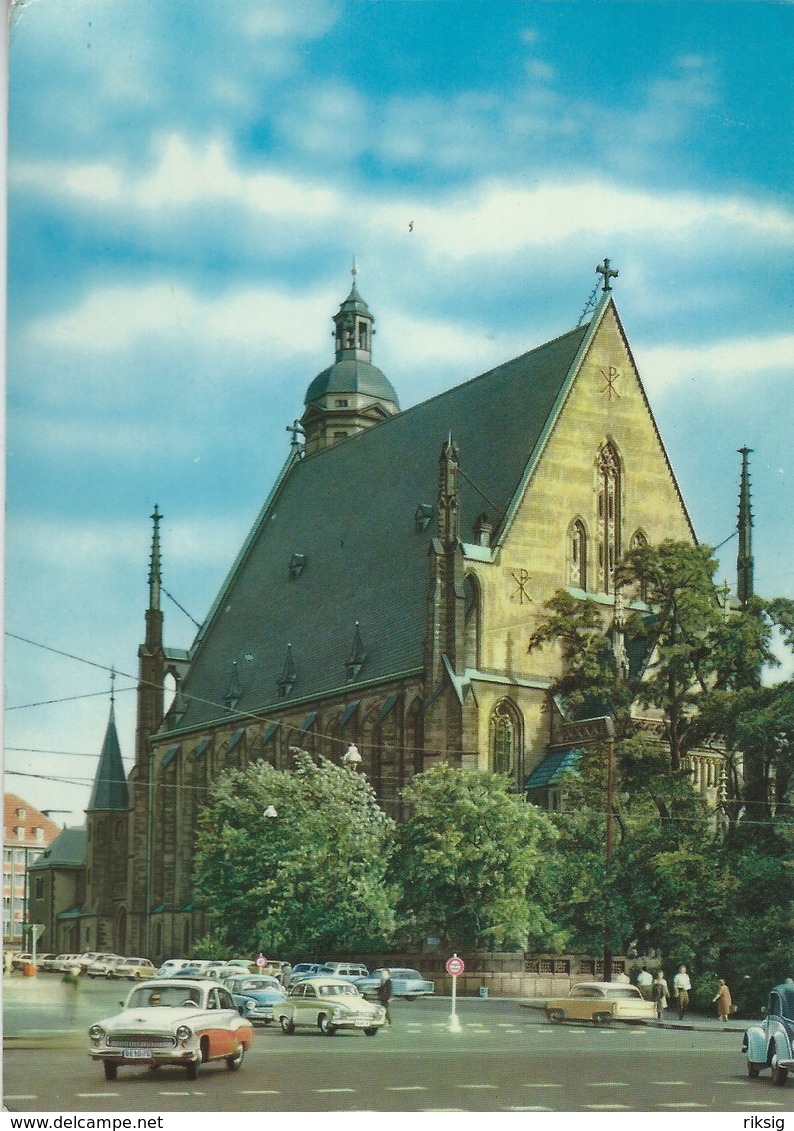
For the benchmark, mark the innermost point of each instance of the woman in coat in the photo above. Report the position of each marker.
(723, 1001)
(661, 993)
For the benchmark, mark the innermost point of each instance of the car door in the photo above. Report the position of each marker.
(308, 1006)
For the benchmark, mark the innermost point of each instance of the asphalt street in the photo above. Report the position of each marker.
(503, 1056)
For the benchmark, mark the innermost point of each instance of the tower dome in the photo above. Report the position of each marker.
(352, 394)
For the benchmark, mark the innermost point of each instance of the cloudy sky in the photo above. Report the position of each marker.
(188, 182)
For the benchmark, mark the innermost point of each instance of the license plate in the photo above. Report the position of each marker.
(138, 1054)
(362, 1024)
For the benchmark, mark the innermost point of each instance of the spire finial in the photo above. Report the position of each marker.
(744, 558)
(112, 686)
(354, 269)
(607, 273)
(154, 565)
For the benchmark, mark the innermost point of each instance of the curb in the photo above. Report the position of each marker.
(686, 1026)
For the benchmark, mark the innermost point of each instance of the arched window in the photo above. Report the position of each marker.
(639, 542)
(608, 511)
(414, 736)
(577, 555)
(472, 620)
(505, 737)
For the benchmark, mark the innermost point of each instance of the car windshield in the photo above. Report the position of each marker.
(787, 1002)
(251, 985)
(347, 990)
(406, 974)
(145, 997)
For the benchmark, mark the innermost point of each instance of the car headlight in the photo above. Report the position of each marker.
(183, 1032)
(341, 1011)
(251, 1004)
(96, 1032)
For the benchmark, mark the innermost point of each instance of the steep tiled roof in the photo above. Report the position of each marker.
(19, 814)
(349, 510)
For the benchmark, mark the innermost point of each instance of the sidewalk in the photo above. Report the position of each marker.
(693, 1022)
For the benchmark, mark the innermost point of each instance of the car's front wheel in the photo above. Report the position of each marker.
(287, 1025)
(111, 1069)
(753, 1069)
(235, 1062)
(371, 1032)
(327, 1028)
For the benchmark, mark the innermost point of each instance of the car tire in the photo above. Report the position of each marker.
(327, 1028)
(555, 1015)
(234, 1063)
(602, 1018)
(111, 1069)
(287, 1026)
(753, 1069)
(779, 1075)
(371, 1032)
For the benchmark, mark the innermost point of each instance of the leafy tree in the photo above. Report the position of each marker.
(313, 877)
(471, 862)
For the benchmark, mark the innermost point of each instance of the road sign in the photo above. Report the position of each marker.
(36, 929)
(261, 961)
(455, 966)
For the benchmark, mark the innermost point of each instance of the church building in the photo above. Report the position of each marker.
(385, 597)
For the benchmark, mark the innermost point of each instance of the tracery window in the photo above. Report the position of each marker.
(609, 485)
(505, 737)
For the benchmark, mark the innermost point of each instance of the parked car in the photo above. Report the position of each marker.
(105, 968)
(64, 962)
(171, 965)
(770, 1042)
(165, 1021)
(256, 996)
(328, 1004)
(404, 983)
(89, 957)
(44, 962)
(133, 968)
(223, 971)
(349, 970)
(303, 970)
(601, 1002)
(19, 960)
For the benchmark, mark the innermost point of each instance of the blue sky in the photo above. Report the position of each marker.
(187, 185)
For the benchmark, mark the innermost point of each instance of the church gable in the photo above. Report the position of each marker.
(600, 483)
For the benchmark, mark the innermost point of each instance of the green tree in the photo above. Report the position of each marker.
(471, 862)
(313, 877)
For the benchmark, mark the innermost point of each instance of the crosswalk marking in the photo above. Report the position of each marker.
(332, 1091)
(407, 1088)
(21, 1097)
(259, 1092)
(542, 1085)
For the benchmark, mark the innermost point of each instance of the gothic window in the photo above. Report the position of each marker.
(362, 335)
(414, 736)
(505, 737)
(639, 542)
(577, 555)
(472, 621)
(608, 510)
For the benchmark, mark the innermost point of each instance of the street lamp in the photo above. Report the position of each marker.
(271, 811)
(351, 758)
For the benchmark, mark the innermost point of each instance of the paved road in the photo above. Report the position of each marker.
(505, 1058)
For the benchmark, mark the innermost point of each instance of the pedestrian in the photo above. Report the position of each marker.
(644, 982)
(681, 987)
(660, 992)
(71, 980)
(285, 976)
(384, 993)
(723, 1001)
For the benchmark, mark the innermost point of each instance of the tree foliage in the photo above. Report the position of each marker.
(471, 862)
(311, 878)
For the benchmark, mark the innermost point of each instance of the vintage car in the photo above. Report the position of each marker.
(352, 971)
(133, 968)
(105, 966)
(601, 1002)
(180, 1023)
(328, 1004)
(255, 995)
(770, 1042)
(404, 983)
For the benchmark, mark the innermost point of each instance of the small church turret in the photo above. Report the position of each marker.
(151, 658)
(352, 394)
(744, 557)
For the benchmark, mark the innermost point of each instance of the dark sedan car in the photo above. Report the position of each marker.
(255, 996)
(770, 1042)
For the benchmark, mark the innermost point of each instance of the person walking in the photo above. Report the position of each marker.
(681, 987)
(723, 1001)
(644, 982)
(660, 992)
(384, 993)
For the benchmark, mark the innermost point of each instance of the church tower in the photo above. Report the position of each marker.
(106, 832)
(352, 394)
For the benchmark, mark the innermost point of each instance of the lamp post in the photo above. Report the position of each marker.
(609, 727)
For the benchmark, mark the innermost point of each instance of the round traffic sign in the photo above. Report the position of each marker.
(455, 966)
(261, 960)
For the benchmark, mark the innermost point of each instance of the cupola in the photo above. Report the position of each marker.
(352, 394)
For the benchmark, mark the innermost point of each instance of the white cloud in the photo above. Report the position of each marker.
(724, 362)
